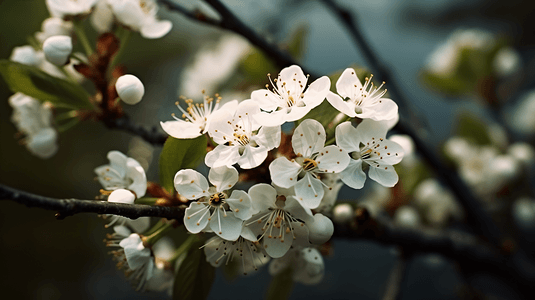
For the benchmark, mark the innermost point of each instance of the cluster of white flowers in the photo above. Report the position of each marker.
(282, 220)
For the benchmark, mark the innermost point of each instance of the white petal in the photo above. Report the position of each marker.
(247, 108)
(122, 196)
(180, 129)
(222, 155)
(269, 137)
(284, 172)
(275, 246)
(214, 249)
(156, 29)
(230, 106)
(309, 191)
(309, 137)
(136, 173)
(275, 118)
(345, 86)
(342, 106)
(296, 209)
(287, 75)
(297, 112)
(300, 231)
(191, 184)
(248, 234)
(263, 197)
(196, 217)
(280, 264)
(223, 178)
(384, 174)
(391, 153)
(118, 162)
(369, 129)
(139, 224)
(252, 157)
(353, 176)
(317, 91)
(240, 204)
(226, 225)
(386, 109)
(219, 128)
(347, 137)
(265, 99)
(332, 159)
(320, 229)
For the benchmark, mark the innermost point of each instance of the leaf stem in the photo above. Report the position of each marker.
(184, 248)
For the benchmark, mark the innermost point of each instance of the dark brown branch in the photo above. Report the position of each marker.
(153, 135)
(69, 207)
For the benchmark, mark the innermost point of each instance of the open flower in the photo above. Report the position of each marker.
(140, 15)
(363, 101)
(196, 117)
(239, 139)
(277, 220)
(123, 172)
(367, 143)
(313, 158)
(139, 260)
(289, 101)
(213, 203)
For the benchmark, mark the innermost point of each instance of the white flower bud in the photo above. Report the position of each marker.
(122, 196)
(320, 230)
(343, 213)
(57, 49)
(130, 89)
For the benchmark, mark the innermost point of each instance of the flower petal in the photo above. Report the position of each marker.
(286, 78)
(308, 138)
(345, 86)
(118, 162)
(284, 172)
(384, 174)
(263, 197)
(252, 157)
(369, 129)
(196, 217)
(191, 184)
(275, 118)
(347, 137)
(316, 92)
(320, 229)
(309, 191)
(266, 99)
(136, 173)
(275, 246)
(223, 178)
(332, 159)
(156, 29)
(240, 204)
(342, 106)
(220, 127)
(391, 152)
(269, 137)
(353, 176)
(226, 225)
(181, 129)
(222, 155)
(385, 109)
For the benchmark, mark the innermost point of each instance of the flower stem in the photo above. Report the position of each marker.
(183, 248)
(82, 37)
(124, 36)
(158, 234)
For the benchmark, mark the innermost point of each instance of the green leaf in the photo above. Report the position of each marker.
(38, 84)
(194, 277)
(281, 286)
(298, 41)
(178, 154)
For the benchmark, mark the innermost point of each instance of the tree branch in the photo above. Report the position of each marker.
(69, 207)
(153, 135)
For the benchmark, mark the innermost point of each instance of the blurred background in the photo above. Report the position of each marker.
(49, 259)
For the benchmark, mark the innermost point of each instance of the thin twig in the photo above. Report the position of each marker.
(153, 135)
(69, 207)
(395, 279)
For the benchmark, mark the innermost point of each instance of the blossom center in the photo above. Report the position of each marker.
(217, 199)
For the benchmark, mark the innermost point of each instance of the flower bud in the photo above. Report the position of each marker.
(57, 49)
(43, 144)
(130, 89)
(343, 213)
(321, 229)
(122, 196)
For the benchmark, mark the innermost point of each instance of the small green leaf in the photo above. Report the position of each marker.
(38, 84)
(177, 155)
(194, 277)
(281, 286)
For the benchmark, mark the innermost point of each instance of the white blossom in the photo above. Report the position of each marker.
(34, 120)
(163, 276)
(139, 260)
(407, 216)
(506, 62)
(362, 101)
(277, 220)
(343, 213)
(307, 265)
(289, 101)
(240, 139)
(521, 115)
(140, 15)
(196, 118)
(367, 144)
(69, 8)
(213, 203)
(130, 89)
(57, 49)
(126, 197)
(313, 159)
(436, 203)
(522, 152)
(102, 17)
(52, 27)
(27, 55)
(122, 173)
